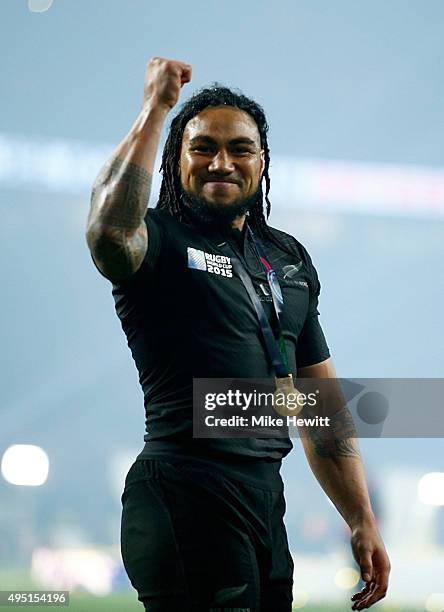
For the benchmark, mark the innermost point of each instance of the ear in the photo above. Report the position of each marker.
(262, 162)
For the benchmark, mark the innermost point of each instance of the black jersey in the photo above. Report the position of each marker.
(187, 315)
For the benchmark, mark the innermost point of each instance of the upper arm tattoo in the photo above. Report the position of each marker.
(120, 196)
(118, 239)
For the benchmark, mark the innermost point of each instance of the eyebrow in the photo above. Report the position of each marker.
(235, 141)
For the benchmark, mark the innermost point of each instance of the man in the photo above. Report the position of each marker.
(202, 521)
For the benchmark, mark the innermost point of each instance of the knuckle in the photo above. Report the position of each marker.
(381, 596)
(380, 591)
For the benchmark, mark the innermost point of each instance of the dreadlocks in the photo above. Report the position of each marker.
(216, 95)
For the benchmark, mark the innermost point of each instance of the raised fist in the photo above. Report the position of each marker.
(163, 80)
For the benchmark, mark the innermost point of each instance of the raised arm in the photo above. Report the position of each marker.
(116, 232)
(335, 460)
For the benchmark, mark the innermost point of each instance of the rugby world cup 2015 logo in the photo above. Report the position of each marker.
(209, 262)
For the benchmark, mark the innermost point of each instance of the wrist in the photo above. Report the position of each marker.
(152, 107)
(151, 117)
(362, 518)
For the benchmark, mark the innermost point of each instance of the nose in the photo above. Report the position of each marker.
(221, 163)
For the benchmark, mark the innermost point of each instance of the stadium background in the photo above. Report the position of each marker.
(354, 96)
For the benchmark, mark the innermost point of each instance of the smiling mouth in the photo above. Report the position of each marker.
(220, 182)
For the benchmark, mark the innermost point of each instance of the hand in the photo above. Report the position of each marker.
(163, 80)
(371, 556)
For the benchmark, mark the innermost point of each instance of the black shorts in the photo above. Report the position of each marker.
(195, 540)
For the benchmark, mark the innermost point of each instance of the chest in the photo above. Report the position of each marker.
(203, 284)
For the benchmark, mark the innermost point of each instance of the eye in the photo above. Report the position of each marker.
(242, 151)
(201, 149)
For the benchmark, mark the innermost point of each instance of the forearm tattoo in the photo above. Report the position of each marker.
(120, 196)
(337, 440)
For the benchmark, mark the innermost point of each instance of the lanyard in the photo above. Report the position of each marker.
(276, 293)
(275, 348)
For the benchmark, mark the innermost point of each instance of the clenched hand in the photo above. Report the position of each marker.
(163, 81)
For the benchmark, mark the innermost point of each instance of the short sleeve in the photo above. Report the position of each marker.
(312, 346)
(155, 242)
(133, 296)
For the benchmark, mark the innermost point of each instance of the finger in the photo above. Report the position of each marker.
(361, 603)
(381, 578)
(377, 593)
(366, 565)
(185, 77)
(362, 592)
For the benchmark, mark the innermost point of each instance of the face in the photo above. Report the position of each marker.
(221, 159)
